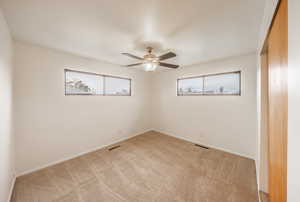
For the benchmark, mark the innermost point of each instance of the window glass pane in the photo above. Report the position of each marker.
(190, 86)
(78, 83)
(117, 86)
(222, 84)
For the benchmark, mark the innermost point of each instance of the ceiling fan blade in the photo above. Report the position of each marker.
(136, 64)
(167, 56)
(132, 56)
(168, 65)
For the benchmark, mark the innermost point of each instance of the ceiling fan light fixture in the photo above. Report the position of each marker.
(150, 61)
(150, 66)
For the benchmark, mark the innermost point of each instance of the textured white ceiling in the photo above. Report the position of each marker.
(197, 30)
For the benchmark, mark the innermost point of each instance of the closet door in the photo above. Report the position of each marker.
(278, 104)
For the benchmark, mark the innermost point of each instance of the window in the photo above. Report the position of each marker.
(117, 86)
(190, 86)
(85, 83)
(215, 84)
(79, 83)
(228, 83)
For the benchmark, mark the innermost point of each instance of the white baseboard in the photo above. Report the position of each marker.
(79, 154)
(122, 139)
(11, 188)
(206, 145)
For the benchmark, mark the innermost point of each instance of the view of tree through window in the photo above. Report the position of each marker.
(217, 84)
(84, 83)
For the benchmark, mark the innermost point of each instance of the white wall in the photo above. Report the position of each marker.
(226, 122)
(6, 134)
(270, 7)
(294, 101)
(51, 127)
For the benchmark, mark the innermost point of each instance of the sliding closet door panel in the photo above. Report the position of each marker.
(278, 105)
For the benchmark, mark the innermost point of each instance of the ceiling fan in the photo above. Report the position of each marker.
(151, 61)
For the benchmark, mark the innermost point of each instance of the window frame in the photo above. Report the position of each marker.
(96, 74)
(207, 75)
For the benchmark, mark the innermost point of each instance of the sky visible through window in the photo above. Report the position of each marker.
(223, 83)
(193, 85)
(227, 83)
(116, 86)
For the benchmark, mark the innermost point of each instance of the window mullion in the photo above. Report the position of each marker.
(104, 86)
(203, 83)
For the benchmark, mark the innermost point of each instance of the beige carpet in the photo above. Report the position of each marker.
(149, 167)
